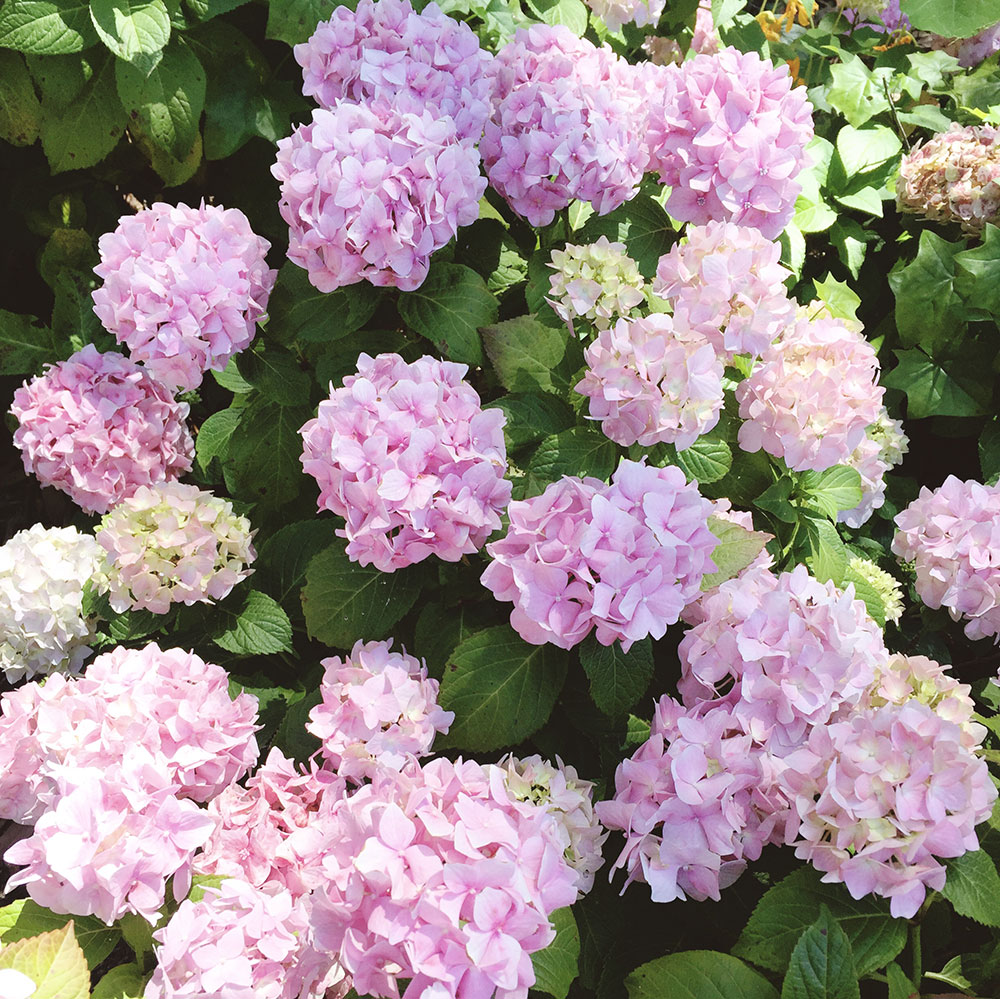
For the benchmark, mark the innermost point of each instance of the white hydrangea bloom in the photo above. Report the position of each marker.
(42, 627)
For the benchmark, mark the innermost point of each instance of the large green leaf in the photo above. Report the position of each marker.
(822, 963)
(293, 21)
(617, 679)
(532, 416)
(501, 689)
(167, 103)
(650, 233)
(523, 353)
(20, 112)
(794, 904)
(134, 30)
(448, 309)
(698, 974)
(830, 491)
(344, 602)
(214, 436)
(25, 344)
(127, 981)
(579, 451)
(284, 557)
(258, 626)
(275, 373)
(705, 461)
(46, 27)
(736, 549)
(25, 918)
(53, 961)
(572, 13)
(954, 18)
(977, 273)
(961, 389)
(557, 965)
(973, 887)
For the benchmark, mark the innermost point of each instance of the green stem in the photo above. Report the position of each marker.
(917, 972)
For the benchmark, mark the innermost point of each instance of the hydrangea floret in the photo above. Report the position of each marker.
(407, 455)
(883, 448)
(43, 627)
(172, 543)
(97, 427)
(888, 588)
(183, 288)
(615, 13)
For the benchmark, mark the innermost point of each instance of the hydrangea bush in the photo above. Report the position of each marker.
(538, 538)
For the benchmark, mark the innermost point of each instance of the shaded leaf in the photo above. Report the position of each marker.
(258, 626)
(822, 964)
(46, 27)
(617, 679)
(557, 965)
(20, 112)
(973, 887)
(698, 974)
(523, 353)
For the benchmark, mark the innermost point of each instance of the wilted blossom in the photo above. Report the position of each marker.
(386, 51)
(172, 543)
(98, 427)
(437, 874)
(725, 281)
(598, 282)
(183, 288)
(253, 822)
(812, 396)
(884, 794)
(379, 709)
(241, 942)
(369, 193)
(728, 133)
(952, 536)
(882, 449)
(953, 177)
(623, 559)
(784, 651)
(42, 625)
(653, 381)
(567, 798)
(406, 454)
(887, 587)
(971, 51)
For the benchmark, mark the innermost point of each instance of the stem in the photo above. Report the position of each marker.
(917, 972)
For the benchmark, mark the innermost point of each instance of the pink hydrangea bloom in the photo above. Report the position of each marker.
(241, 942)
(952, 535)
(812, 396)
(379, 709)
(440, 876)
(615, 13)
(369, 193)
(253, 823)
(788, 650)
(728, 133)
(653, 381)
(172, 543)
(884, 794)
(387, 51)
(953, 177)
(623, 559)
(726, 282)
(405, 453)
(183, 288)
(98, 427)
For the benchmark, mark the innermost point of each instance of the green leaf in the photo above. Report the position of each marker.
(825, 553)
(929, 311)
(167, 103)
(25, 918)
(931, 390)
(127, 981)
(865, 199)
(292, 737)
(973, 887)
(82, 132)
(134, 30)
(855, 91)
(293, 21)
(900, 987)
(258, 627)
(572, 13)
(578, 451)
(501, 689)
(284, 557)
(557, 965)
(448, 309)
(202, 881)
(636, 732)
(863, 149)
(866, 593)
(989, 451)
(523, 353)
(952, 18)
(617, 679)
(705, 461)
(851, 241)
(830, 491)
(344, 602)
(46, 27)
(650, 232)
(73, 318)
(20, 112)
(698, 974)
(813, 215)
(794, 904)
(838, 297)
(531, 417)
(977, 273)
(206, 9)
(25, 344)
(214, 436)
(822, 963)
(53, 961)
(736, 549)
(276, 374)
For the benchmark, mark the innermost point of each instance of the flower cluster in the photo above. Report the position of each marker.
(953, 177)
(728, 133)
(653, 381)
(971, 51)
(405, 453)
(370, 192)
(883, 448)
(726, 282)
(812, 396)
(597, 282)
(379, 709)
(183, 288)
(172, 543)
(565, 125)
(386, 51)
(42, 624)
(439, 875)
(623, 559)
(113, 763)
(97, 427)
(876, 14)
(951, 535)
(887, 587)
(615, 13)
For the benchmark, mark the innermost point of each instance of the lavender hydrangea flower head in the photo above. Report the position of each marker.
(183, 288)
